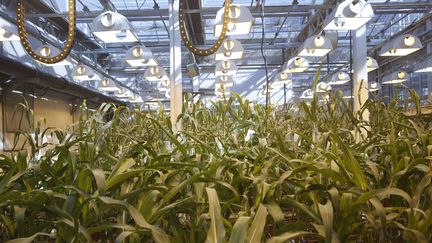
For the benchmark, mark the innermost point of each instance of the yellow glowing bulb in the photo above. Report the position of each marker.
(137, 51)
(298, 61)
(401, 75)
(2, 32)
(319, 41)
(154, 70)
(107, 20)
(105, 83)
(374, 85)
(226, 65)
(228, 45)
(81, 70)
(409, 40)
(369, 61)
(45, 51)
(234, 12)
(283, 76)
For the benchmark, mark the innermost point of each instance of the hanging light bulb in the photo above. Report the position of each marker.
(371, 64)
(401, 46)
(316, 45)
(230, 49)
(107, 19)
(137, 51)
(105, 83)
(240, 20)
(45, 51)
(81, 69)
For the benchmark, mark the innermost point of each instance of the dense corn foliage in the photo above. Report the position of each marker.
(236, 172)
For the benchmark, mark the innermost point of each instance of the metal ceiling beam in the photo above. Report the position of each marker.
(271, 11)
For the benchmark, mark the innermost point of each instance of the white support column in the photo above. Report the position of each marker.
(360, 74)
(175, 62)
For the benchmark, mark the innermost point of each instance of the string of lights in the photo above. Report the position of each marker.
(190, 45)
(46, 56)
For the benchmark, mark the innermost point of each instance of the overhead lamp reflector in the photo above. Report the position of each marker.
(395, 78)
(46, 51)
(83, 73)
(296, 65)
(226, 68)
(240, 20)
(374, 86)
(107, 85)
(339, 78)
(349, 15)
(230, 49)
(140, 56)
(281, 79)
(316, 46)
(7, 35)
(372, 64)
(164, 85)
(402, 45)
(112, 27)
(307, 94)
(155, 73)
(323, 87)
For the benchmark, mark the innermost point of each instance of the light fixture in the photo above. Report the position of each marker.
(230, 49)
(402, 45)
(395, 78)
(46, 52)
(227, 81)
(82, 73)
(168, 94)
(140, 56)
(307, 94)
(136, 99)
(155, 73)
(323, 87)
(374, 86)
(226, 68)
(7, 35)
(124, 94)
(339, 78)
(164, 85)
(316, 46)
(112, 27)
(281, 79)
(296, 65)
(107, 85)
(240, 20)
(349, 15)
(371, 63)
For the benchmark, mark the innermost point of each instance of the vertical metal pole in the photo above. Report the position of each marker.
(360, 75)
(175, 62)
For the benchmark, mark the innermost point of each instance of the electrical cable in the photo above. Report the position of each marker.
(157, 8)
(263, 53)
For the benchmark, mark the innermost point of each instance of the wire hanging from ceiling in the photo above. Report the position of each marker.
(263, 52)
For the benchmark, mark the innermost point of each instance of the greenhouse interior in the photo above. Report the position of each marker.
(217, 121)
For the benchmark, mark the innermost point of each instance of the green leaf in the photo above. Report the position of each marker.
(326, 212)
(256, 230)
(239, 231)
(216, 232)
(285, 237)
(27, 239)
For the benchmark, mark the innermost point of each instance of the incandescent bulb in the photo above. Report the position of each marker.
(409, 40)
(234, 12)
(319, 41)
(401, 75)
(81, 70)
(137, 51)
(226, 65)
(45, 51)
(298, 61)
(228, 45)
(107, 20)
(369, 61)
(374, 85)
(105, 83)
(283, 76)
(2, 32)
(227, 53)
(154, 70)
